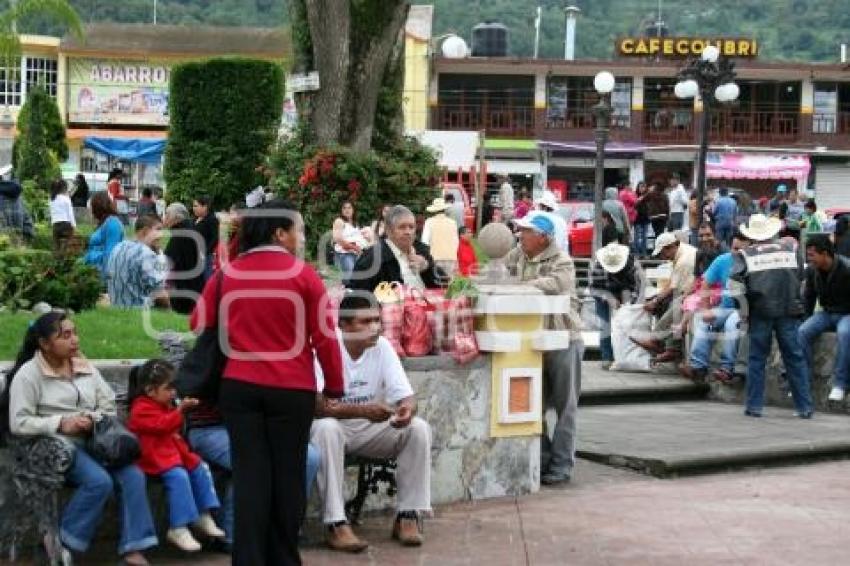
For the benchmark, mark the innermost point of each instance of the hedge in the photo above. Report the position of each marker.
(225, 115)
(30, 276)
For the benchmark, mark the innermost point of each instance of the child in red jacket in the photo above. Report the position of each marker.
(156, 421)
(467, 263)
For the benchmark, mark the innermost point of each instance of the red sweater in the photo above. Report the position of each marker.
(158, 430)
(277, 314)
(466, 260)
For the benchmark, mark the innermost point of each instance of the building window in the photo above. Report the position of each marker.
(41, 71)
(10, 85)
(570, 103)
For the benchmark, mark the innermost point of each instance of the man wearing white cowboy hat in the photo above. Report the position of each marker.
(614, 280)
(440, 233)
(537, 261)
(771, 272)
(547, 205)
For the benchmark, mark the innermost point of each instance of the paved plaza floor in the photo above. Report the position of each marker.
(611, 517)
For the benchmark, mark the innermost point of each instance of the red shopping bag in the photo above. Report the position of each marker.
(392, 322)
(438, 320)
(416, 336)
(464, 346)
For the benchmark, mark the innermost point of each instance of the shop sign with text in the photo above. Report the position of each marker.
(113, 91)
(673, 47)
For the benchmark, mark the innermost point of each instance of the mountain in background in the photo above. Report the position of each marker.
(805, 30)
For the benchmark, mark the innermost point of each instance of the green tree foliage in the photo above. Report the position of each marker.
(225, 115)
(38, 145)
(16, 13)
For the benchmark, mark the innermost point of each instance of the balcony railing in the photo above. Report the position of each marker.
(754, 127)
(668, 125)
(833, 123)
(505, 121)
(583, 119)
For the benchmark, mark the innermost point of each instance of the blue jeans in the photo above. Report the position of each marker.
(639, 246)
(189, 494)
(603, 312)
(213, 445)
(726, 322)
(761, 332)
(95, 485)
(724, 232)
(816, 325)
(345, 263)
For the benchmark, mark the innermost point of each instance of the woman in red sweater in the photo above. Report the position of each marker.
(275, 311)
(156, 421)
(467, 263)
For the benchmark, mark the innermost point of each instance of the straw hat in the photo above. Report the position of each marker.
(761, 227)
(613, 257)
(438, 205)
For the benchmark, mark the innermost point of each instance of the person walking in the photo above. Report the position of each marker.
(109, 232)
(629, 199)
(267, 399)
(615, 208)
(54, 390)
(770, 271)
(539, 262)
(678, 198)
(439, 233)
(725, 213)
(658, 208)
(61, 214)
(641, 223)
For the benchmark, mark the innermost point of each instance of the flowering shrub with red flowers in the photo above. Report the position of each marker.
(319, 180)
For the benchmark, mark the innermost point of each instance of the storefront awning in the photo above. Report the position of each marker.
(513, 167)
(83, 133)
(133, 150)
(590, 147)
(455, 150)
(757, 166)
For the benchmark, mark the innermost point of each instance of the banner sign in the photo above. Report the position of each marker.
(678, 47)
(757, 166)
(113, 91)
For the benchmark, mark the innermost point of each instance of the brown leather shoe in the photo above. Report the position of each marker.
(667, 356)
(341, 537)
(408, 530)
(650, 345)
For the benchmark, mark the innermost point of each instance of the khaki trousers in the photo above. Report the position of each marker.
(410, 446)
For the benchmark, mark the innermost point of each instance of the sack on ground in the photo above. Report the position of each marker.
(628, 356)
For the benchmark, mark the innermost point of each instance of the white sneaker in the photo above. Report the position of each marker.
(207, 527)
(183, 539)
(837, 394)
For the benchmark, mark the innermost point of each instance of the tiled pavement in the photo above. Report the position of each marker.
(609, 517)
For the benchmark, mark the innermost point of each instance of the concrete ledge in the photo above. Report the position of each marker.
(495, 341)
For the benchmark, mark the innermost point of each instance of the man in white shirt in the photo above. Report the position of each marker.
(506, 199)
(678, 197)
(375, 419)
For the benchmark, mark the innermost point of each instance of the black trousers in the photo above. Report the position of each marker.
(659, 225)
(269, 429)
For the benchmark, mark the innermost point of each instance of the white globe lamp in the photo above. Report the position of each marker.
(454, 47)
(603, 82)
(686, 89)
(710, 53)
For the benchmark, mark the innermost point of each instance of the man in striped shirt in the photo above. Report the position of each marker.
(135, 271)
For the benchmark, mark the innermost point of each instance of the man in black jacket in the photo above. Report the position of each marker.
(13, 214)
(186, 274)
(397, 257)
(827, 282)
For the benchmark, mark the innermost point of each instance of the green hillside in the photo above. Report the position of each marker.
(786, 29)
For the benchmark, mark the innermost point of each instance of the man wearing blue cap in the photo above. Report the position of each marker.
(778, 199)
(539, 262)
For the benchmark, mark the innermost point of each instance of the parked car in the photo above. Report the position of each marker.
(460, 195)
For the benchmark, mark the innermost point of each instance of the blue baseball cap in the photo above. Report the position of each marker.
(781, 188)
(539, 223)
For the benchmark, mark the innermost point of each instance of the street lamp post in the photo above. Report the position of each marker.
(603, 82)
(712, 78)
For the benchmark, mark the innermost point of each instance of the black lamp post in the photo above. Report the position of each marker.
(603, 82)
(712, 78)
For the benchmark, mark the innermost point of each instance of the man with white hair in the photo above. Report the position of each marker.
(185, 274)
(539, 262)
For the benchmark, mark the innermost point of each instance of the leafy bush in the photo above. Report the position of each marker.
(29, 276)
(318, 181)
(41, 142)
(36, 200)
(43, 239)
(225, 115)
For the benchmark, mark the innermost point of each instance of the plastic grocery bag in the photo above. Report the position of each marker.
(628, 356)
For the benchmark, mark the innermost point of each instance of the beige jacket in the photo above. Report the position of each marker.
(553, 273)
(38, 398)
(440, 233)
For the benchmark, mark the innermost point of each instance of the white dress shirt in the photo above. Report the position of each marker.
(61, 210)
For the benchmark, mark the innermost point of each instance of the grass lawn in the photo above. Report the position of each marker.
(104, 333)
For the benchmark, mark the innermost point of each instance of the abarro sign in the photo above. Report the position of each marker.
(685, 46)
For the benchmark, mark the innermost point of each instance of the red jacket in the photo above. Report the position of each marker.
(158, 430)
(277, 314)
(467, 263)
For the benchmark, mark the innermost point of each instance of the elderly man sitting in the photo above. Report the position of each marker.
(539, 262)
(396, 257)
(375, 419)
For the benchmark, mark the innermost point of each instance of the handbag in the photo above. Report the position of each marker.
(389, 295)
(111, 444)
(416, 338)
(199, 374)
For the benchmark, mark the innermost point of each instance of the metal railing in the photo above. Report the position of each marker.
(754, 127)
(832, 123)
(668, 125)
(507, 121)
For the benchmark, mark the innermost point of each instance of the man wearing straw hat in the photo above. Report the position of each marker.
(537, 261)
(440, 233)
(614, 281)
(771, 272)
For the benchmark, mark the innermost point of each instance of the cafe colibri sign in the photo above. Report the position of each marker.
(684, 46)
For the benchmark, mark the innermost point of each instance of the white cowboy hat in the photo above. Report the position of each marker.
(761, 227)
(613, 257)
(5, 170)
(663, 240)
(438, 205)
(548, 200)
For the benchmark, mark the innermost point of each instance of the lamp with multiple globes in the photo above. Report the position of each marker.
(604, 83)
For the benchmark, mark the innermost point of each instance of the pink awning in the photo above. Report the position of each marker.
(757, 166)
